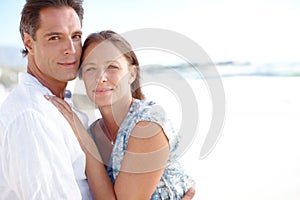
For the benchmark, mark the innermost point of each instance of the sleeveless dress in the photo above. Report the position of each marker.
(174, 181)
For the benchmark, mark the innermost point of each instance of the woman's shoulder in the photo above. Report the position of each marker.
(144, 110)
(141, 111)
(140, 105)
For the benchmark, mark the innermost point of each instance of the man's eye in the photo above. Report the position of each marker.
(54, 38)
(77, 37)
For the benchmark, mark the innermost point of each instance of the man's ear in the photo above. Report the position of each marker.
(28, 43)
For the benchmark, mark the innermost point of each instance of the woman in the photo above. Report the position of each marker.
(135, 141)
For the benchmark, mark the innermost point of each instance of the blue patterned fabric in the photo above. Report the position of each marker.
(174, 181)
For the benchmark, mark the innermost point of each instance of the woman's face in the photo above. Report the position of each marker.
(105, 74)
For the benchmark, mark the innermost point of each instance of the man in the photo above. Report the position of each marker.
(40, 157)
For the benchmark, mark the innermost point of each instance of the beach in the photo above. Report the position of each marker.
(258, 154)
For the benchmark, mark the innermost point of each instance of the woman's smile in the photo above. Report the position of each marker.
(103, 91)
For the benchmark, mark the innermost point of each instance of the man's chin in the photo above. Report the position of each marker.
(71, 77)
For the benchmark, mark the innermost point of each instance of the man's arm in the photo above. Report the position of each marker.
(39, 165)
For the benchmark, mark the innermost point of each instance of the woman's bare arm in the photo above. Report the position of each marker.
(143, 163)
(98, 179)
(135, 181)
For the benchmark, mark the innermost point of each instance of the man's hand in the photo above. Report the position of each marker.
(189, 194)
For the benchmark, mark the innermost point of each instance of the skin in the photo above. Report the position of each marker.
(98, 179)
(107, 80)
(54, 59)
(55, 54)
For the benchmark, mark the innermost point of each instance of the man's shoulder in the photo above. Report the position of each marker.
(18, 96)
(20, 100)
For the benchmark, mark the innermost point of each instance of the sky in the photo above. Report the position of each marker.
(239, 30)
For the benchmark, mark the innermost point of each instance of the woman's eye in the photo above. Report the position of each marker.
(89, 69)
(113, 67)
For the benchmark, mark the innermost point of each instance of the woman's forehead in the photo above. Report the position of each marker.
(103, 52)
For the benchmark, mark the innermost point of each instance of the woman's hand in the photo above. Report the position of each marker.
(86, 142)
(189, 194)
(67, 112)
(98, 179)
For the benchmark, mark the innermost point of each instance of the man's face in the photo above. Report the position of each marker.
(57, 47)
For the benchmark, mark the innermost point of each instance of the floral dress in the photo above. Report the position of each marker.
(174, 181)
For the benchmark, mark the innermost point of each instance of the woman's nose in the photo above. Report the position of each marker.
(102, 77)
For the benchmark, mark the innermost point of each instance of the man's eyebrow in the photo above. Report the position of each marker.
(58, 33)
(52, 33)
(77, 32)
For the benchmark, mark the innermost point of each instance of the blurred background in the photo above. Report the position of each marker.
(255, 47)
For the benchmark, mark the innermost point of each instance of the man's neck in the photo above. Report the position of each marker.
(56, 87)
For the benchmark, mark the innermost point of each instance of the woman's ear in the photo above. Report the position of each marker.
(28, 43)
(132, 72)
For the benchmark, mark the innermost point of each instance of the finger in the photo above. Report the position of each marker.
(62, 106)
(189, 194)
(58, 101)
(63, 103)
(67, 114)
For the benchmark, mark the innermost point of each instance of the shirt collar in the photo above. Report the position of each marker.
(27, 79)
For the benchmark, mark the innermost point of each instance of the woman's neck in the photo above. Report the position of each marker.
(115, 114)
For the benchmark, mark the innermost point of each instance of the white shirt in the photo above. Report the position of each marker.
(40, 157)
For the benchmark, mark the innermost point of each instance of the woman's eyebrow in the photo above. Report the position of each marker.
(89, 63)
(111, 61)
